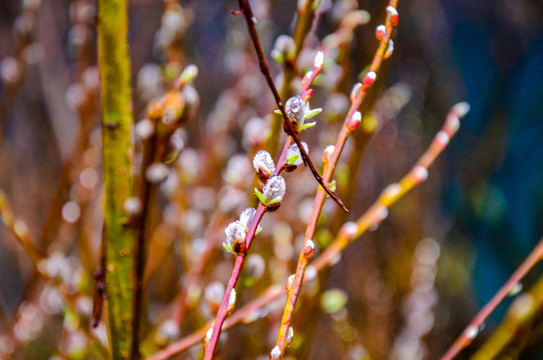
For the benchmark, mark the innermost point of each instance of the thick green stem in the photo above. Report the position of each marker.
(114, 63)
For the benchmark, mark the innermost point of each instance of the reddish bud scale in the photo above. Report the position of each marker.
(380, 32)
(390, 49)
(369, 79)
(394, 18)
(355, 121)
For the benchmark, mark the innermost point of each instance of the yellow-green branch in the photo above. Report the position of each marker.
(114, 63)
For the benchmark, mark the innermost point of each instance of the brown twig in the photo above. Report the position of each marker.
(472, 330)
(245, 8)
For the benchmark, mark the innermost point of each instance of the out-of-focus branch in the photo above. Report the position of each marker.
(472, 330)
(120, 244)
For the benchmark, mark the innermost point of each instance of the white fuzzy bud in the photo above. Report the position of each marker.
(355, 91)
(290, 335)
(295, 108)
(235, 233)
(246, 218)
(294, 156)
(263, 163)
(319, 59)
(327, 154)
(275, 353)
(274, 190)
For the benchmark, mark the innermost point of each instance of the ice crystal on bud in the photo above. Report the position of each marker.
(235, 234)
(369, 79)
(144, 129)
(295, 108)
(355, 91)
(274, 190)
(380, 32)
(263, 164)
(275, 353)
(157, 173)
(319, 59)
(294, 156)
(390, 49)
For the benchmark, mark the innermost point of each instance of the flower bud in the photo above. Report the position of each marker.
(235, 237)
(284, 49)
(275, 353)
(246, 218)
(327, 154)
(295, 108)
(273, 192)
(294, 157)
(290, 335)
(390, 49)
(355, 120)
(369, 79)
(309, 247)
(380, 32)
(355, 91)
(263, 165)
(319, 60)
(393, 14)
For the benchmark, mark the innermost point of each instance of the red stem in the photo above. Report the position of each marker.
(467, 335)
(240, 259)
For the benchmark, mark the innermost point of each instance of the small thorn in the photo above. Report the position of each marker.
(237, 12)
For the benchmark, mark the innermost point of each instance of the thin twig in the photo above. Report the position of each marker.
(346, 130)
(472, 330)
(245, 8)
(240, 259)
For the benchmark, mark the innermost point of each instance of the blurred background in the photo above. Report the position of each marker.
(404, 291)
